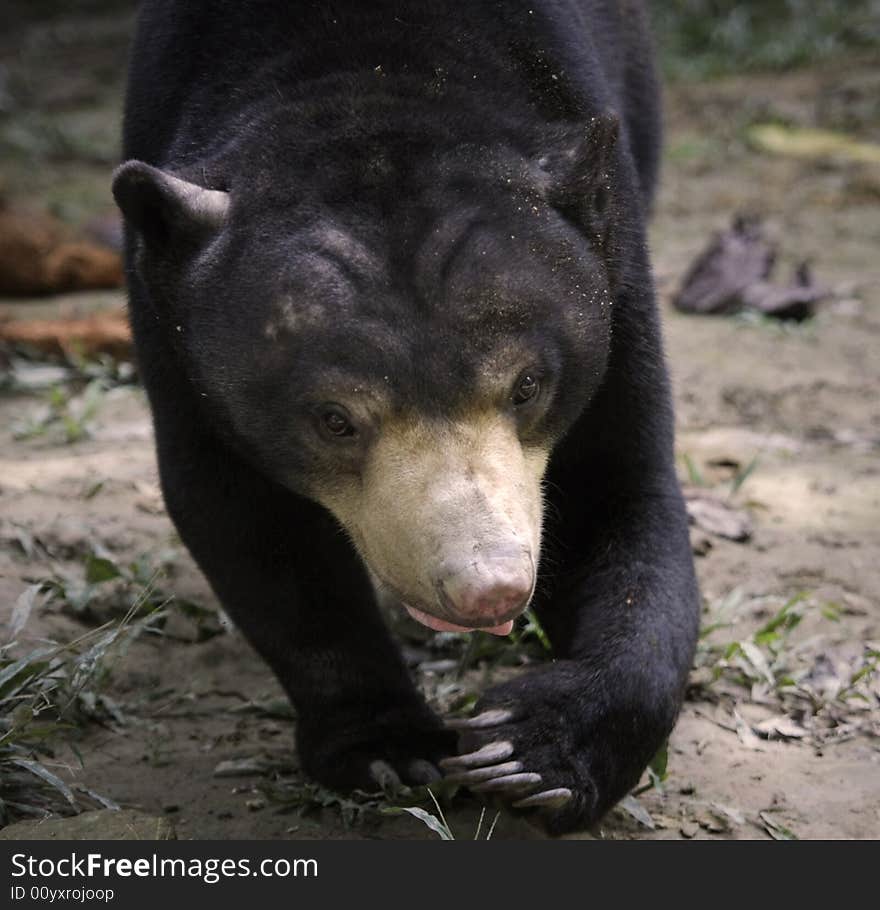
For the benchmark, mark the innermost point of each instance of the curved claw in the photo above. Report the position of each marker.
(508, 782)
(491, 718)
(478, 775)
(546, 799)
(494, 752)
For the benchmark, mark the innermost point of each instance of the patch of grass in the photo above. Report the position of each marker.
(106, 585)
(530, 631)
(306, 798)
(73, 388)
(66, 415)
(695, 475)
(759, 658)
(63, 136)
(861, 675)
(743, 475)
(438, 824)
(46, 694)
(700, 38)
(100, 366)
(692, 148)
(827, 695)
(49, 692)
(783, 328)
(471, 662)
(657, 772)
(775, 828)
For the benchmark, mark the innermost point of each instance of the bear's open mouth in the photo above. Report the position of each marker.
(440, 625)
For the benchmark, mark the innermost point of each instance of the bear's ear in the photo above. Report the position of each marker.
(578, 171)
(163, 207)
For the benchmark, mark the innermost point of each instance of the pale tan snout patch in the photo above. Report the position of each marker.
(449, 506)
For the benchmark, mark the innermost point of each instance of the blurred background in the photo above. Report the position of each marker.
(121, 686)
(62, 68)
(700, 38)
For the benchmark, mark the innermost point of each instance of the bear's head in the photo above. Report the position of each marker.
(401, 334)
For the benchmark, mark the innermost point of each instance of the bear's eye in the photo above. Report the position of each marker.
(335, 422)
(526, 389)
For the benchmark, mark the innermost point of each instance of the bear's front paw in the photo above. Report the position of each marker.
(545, 743)
(379, 753)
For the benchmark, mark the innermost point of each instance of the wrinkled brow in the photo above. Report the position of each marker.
(347, 250)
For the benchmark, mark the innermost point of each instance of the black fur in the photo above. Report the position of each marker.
(497, 160)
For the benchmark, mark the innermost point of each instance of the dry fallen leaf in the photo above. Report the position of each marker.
(241, 767)
(746, 735)
(775, 828)
(104, 332)
(733, 815)
(812, 144)
(634, 808)
(780, 727)
(718, 517)
(734, 273)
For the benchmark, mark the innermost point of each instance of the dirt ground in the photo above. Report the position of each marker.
(779, 735)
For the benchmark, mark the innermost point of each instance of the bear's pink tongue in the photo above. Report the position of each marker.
(438, 625)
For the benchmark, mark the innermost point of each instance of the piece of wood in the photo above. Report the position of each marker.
(105, 332)
(39, 256)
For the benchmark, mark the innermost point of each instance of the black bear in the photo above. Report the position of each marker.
(393, 309)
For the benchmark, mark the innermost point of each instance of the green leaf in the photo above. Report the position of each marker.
(766, 638)
(100, 569)
(105, 801)
(534, 627)
(57, 396)
(37, 769)
(14, 675)
(776, 829)
(786, 617)
(694, 473)
(22, 610)
(707, 630)
(38, 732)
(743, 475)
(658, 765)
(431, 821)
(634, 808)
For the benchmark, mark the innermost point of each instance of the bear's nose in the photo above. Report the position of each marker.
(489, 591)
